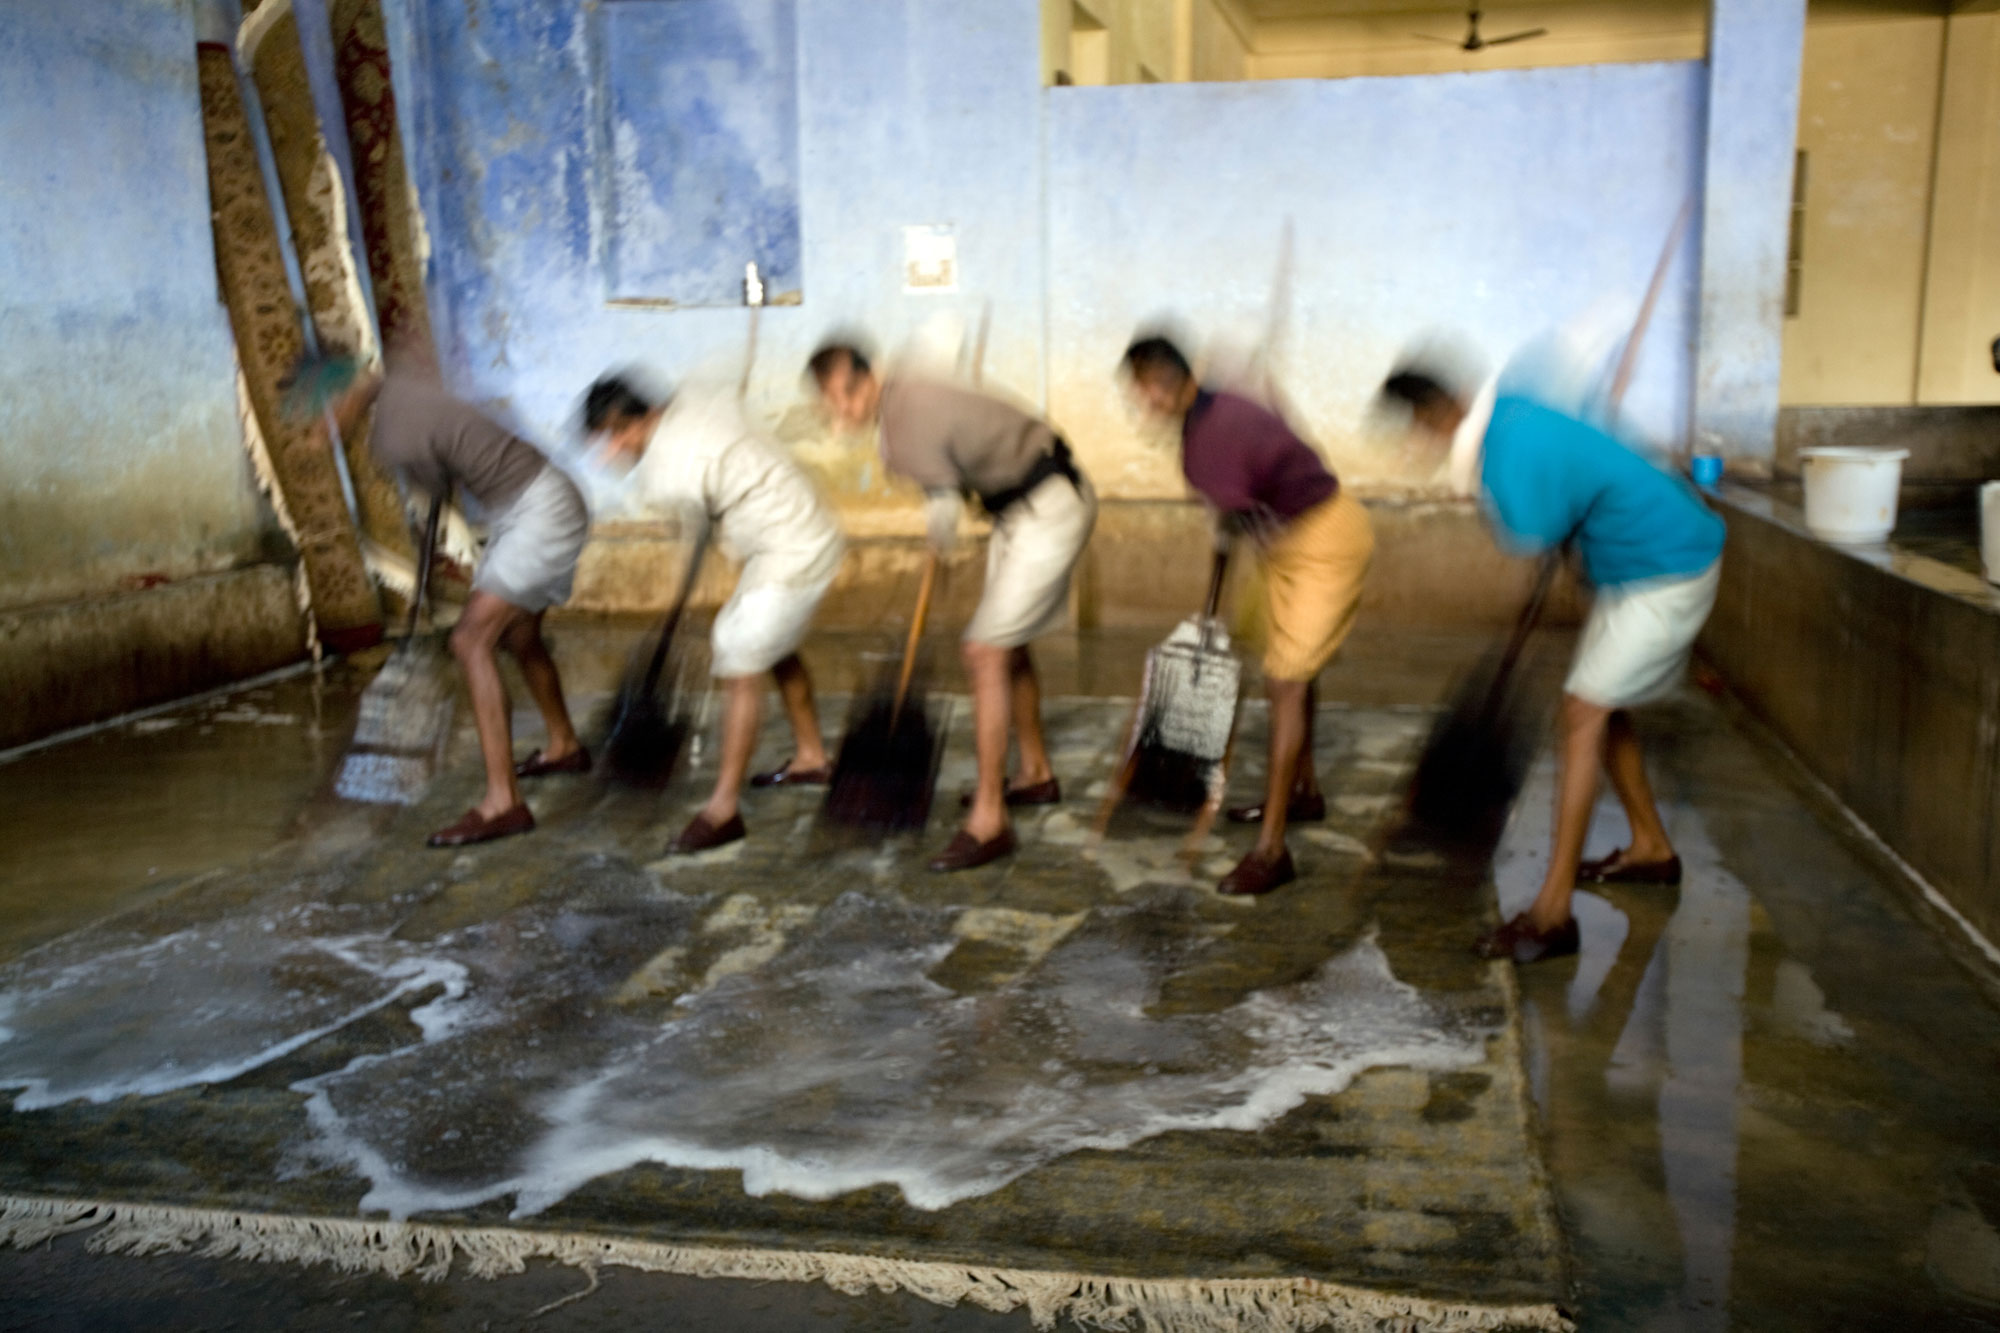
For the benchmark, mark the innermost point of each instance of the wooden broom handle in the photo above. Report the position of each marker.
(916, 629)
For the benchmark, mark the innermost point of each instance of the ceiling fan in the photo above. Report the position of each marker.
(1474, 42)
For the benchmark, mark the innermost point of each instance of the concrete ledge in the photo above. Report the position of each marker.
(1436, 567)
(1881, 669)
(1946, 444)
(66, 664)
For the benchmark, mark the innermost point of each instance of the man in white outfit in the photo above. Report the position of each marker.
(695, 454)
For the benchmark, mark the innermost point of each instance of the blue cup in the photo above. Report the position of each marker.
(1706, 469)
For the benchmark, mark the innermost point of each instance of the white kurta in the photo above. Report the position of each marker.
(706, 460)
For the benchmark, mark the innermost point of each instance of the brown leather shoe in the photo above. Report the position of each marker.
(1613, 869)
(1047, 792)
(787, 776)
(1520, 941)
(534, 766)
(475, 828)
(702, 836)
(1303, 808)
(965, 852)
(1255, 875)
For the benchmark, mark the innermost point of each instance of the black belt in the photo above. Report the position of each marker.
(1055, 463)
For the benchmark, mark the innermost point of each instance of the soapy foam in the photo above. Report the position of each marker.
(613, 1021)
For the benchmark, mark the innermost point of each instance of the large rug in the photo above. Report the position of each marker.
(1075, 1083)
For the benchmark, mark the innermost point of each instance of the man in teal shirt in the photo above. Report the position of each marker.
(1653, 550)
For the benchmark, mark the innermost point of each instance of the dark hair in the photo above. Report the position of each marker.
(612, 401)
(1156, 356)
(1418, 390)
(831, 356)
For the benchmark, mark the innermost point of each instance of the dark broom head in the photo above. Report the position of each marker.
(886, 768)
(1169, 779)
(645, 728)
(1476, 761)
(645, 742)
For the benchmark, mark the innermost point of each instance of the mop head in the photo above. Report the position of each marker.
(1187, 715)
(404, 720)
(887, 766)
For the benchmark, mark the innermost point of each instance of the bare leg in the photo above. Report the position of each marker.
(987, 666)
(1027, 702)
(1288, 733)
(744, 697)
(1627, 767)
(795, 688)
(1306, 781)
(473, 643)
(1583, 729)
(524, 641)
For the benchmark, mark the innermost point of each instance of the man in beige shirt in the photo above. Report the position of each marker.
(955, 442)
(695, 454)
(536, 525)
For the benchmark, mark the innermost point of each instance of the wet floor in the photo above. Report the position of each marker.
(1771, 1098)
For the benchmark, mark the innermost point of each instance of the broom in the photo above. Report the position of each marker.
(1176, 751)
(405, 715)
(1477, 756)
(888, 762)
(646, 730)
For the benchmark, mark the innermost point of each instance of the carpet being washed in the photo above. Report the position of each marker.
(1075, 1082)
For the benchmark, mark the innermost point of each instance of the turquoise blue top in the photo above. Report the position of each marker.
(1547, 476)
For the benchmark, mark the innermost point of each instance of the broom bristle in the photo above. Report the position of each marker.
(1474, 763)
(886, 768)
(646, 727)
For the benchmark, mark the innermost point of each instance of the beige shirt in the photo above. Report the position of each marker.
(947, 438)
(706, 460)
(434, 441)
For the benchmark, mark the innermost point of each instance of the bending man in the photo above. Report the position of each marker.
(695, 453)
(1266, 483)
(1654, 551)
(536, 524)
(954, 442)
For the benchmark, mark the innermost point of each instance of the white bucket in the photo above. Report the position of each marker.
(1851, 493)
(1989, 529)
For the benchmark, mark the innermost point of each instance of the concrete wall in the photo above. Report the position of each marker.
(1499, 204)
(120, 453)
(130, 529)
(1882, 672)
(909, 114)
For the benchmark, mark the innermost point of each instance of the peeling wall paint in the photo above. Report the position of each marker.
(120, 454)
(909, 113)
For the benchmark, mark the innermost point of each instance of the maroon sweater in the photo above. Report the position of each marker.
(1245, 460)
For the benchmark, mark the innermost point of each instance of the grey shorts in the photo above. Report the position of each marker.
(532, 545)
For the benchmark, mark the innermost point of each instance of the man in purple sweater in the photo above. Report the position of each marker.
(1267, 484)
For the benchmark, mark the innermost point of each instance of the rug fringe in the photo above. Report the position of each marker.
(428, 1251)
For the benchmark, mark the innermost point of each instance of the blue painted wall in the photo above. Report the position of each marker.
(1496, 204)
(120, 451)
(1756, 48)
(909, 112)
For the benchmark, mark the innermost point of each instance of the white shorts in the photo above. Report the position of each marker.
(532, 544)
(1637, 641)
(1035, 545)
(762, 624)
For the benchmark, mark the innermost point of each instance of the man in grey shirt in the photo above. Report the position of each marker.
(955, 442)
(536, 525)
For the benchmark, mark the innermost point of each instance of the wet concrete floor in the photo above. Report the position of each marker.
(1771, 1098)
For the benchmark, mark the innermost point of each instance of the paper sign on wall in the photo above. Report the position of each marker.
(930, 258)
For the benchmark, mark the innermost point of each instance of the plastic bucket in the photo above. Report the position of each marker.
(1989, 529)
(1851, 493)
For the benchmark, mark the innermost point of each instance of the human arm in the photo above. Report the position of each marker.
(942, 510)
